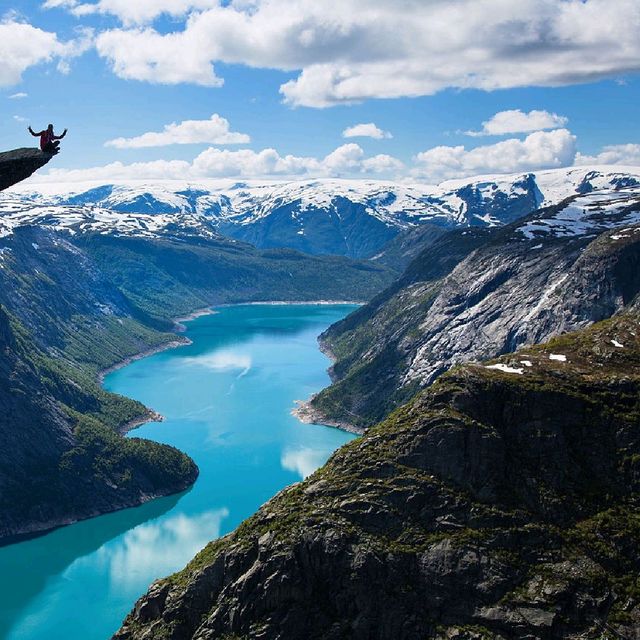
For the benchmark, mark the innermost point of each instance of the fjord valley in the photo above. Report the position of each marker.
(320, 320)
(76, 301)
(492, 499)
(468, 477)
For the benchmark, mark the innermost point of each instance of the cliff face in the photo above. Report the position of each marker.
(500, 503)
(560, 270)
(19, 164)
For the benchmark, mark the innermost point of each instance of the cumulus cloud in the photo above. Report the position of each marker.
(144, 54)
(356, 49)
(347, 160)
(365, 130)
(624, 154)
(516, 121)
(136, 12)
(539, 150)
(23, 45)
(215, 130)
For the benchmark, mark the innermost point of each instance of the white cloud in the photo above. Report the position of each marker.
(144, 54)
(359, 49)
(366, 130)
(625, 154)
(18, 96)
(132, 12)
(19, 119)
(303, 461)
(382, 163)
(23, 45)
(539, 150)
(516, 121)
(215, 130)
(347, 160)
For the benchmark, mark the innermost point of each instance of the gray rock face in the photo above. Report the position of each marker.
(554, 272)
(19, 164)
(494, 505)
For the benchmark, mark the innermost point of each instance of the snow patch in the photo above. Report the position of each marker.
(505, 368)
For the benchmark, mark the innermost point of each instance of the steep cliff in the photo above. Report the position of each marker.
(560, 269)
(502, 502)
(19, 164)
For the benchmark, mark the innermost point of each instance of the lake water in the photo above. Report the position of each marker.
(227, 400)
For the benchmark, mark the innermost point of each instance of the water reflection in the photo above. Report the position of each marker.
(36, 561)
(157, 547)
(303, 461)
(220, 361)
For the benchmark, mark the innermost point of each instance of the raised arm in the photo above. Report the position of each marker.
(33, 133)
(64, 133)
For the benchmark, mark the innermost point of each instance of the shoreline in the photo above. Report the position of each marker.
(308, 414)
(178, 341)
(149, 416)
(199, 313)
(303, 411)
(289, 302)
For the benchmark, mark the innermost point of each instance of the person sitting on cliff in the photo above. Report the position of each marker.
(49, 141)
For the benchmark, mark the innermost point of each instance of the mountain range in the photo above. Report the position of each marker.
(471, 296)
(341, 217)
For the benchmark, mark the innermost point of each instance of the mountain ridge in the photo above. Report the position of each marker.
(355, 218)
(558, 269)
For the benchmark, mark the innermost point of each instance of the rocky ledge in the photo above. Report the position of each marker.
(502, 502)
(19, 164)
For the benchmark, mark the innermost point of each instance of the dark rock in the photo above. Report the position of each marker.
(19, 164)
(494, 505)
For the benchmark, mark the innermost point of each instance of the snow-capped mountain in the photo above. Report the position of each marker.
(469, 298)
(352, 218)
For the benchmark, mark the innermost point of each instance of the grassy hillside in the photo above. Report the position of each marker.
(61, 458)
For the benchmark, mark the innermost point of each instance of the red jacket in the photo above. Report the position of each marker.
(46, 138)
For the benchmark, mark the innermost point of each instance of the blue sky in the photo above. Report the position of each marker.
(294, 81)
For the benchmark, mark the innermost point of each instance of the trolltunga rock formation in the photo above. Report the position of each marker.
(19, 164)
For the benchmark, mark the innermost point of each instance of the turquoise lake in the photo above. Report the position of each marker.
(227, 401)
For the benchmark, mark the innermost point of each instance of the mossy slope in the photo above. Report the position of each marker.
(495, 504)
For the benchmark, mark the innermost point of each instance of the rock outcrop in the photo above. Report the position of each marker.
(19, 164)
(503, 502)
(556, 271)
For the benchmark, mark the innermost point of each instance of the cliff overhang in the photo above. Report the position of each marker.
(19, 164)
